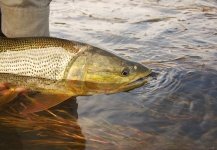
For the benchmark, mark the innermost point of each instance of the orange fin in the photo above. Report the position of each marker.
(43, 101)
(8, 96)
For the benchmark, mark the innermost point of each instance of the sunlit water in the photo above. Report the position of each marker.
(176, 110)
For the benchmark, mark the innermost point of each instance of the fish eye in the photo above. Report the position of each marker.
(125, 71)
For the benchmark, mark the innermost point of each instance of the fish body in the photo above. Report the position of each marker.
(39, 64)
(59, 68)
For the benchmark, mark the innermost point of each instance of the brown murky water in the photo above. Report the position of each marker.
(176, 110)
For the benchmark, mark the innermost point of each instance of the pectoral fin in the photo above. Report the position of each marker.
(43, 101)
(8, 96)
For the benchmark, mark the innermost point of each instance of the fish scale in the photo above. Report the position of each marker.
(36, 57)
(38, 63)
(49, 63)
(17, 44)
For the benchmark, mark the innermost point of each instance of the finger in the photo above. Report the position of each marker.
(2, 86)
(22, 90)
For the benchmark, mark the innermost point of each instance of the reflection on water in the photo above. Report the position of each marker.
(176, 110)
(56, 128)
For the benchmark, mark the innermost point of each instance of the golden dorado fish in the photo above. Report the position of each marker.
(59, 69)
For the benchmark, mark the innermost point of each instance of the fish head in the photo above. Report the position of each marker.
(105, 72)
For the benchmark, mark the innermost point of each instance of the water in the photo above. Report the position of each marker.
(177, 110)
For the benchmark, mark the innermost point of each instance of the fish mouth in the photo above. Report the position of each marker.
(141, 80)
(138, 82)
(144, 79)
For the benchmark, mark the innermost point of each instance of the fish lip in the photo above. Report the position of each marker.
(140, 80)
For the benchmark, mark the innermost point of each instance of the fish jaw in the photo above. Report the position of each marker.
(137, 83)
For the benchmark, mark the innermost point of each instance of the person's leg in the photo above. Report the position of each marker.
(1, 33)
(25, 18)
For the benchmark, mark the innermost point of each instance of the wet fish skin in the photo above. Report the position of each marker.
(25, 62)
(54, 66)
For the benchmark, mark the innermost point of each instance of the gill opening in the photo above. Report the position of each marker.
(84, 68)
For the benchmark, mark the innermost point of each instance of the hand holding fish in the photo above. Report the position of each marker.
(4, 88)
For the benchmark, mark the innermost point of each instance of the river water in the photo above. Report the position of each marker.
(175, 110)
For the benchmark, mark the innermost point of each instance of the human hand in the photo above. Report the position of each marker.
(4, 89)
